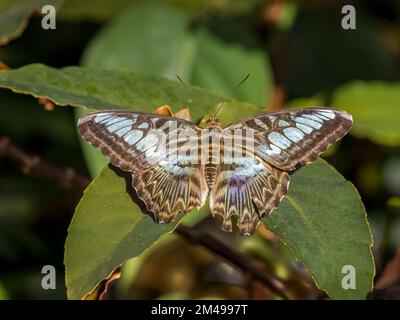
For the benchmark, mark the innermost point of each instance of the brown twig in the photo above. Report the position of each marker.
(213, 244)
(31, 164)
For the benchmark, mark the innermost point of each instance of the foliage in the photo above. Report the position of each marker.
(131, 63)
(101, 200)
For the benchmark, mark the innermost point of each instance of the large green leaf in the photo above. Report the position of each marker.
(103, 89)
(375, 109)
(148, 38)
(107, 229)
(14, 15)
(214, 69)
(323, 221)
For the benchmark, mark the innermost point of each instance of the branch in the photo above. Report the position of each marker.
(31, 164)
(216, 246)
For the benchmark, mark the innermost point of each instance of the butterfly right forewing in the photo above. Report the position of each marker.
(294, 137)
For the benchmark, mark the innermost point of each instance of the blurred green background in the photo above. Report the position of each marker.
(297, 54)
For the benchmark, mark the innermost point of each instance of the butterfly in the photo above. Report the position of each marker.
(244, 168)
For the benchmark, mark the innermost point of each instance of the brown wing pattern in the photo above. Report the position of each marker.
(272, 144)
(252, 177)
(294, 137)
(147, 146)
(249, 188)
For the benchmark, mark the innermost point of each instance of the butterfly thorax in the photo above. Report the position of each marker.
(213, 123)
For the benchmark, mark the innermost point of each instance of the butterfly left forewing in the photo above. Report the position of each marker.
(150, 146)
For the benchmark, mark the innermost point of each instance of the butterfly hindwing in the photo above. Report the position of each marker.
(146, 145)
(249, 188)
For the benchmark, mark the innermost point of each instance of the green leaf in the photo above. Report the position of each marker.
(314, 101)
(336, 232)
(3, 293)
(148, 38)
(375, 109)
(214, 69)
(104, 89)
(323, 221)
(107, 229)
(318, 55)
(92, 10)
(14, 16)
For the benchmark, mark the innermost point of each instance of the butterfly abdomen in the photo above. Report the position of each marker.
(211, 166)
(212, 134)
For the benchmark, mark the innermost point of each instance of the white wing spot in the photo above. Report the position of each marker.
(147, 142)
(279, 140)
(113, 120)
(263, 148)
(308, 122)
(119, 125)
(260, 123)
(274, 150)
(133, 136)
(313, 117)
(102, 117)
(143, 125)
(122, 131)
(329, 114)
(293, 134)
(283, 123)
(305, 129)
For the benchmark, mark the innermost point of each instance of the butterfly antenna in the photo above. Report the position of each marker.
(183, 83)
(218, 109)
(192, 93)
(243, 81)
(236, 88)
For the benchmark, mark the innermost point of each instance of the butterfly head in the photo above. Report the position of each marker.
(213, 123)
